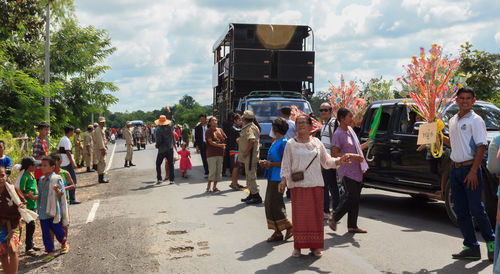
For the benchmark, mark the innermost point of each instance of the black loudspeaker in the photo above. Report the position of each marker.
(252, 56)
(295, 66)
(252, 64)
(252, 72)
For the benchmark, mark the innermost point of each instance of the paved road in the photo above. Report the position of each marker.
(142, 228)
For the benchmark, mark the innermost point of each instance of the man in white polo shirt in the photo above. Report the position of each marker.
(68, 163)
(468, 144)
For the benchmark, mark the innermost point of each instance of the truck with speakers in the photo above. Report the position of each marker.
(263, 68)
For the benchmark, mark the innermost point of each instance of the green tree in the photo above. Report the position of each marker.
(377, 89)
(484, 70)
(319, 98)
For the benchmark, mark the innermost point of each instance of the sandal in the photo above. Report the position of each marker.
(356, 230)
(48, 258)
(316, 252)
(234, 187)
(215, 190)
(65, 249)
(275, 237)
(208, 190)
(296, 253)
(289, 233)
(240, 186)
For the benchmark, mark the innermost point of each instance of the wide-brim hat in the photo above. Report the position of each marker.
(162, 121)
(102, 120)
(248, 114)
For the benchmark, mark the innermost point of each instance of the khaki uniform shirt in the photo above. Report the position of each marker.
(127, 134)
(77, 142)
(88, 141)
(249, 132)
(100, 140)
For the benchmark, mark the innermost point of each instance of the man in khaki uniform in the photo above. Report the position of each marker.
(100, 144)
(78, 148)
(129, 143)
(95, 154)
(88, 147)
(248, 154)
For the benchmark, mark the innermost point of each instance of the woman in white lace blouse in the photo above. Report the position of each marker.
(306, 154)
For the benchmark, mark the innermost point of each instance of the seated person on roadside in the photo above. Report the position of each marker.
(9, 226)
(467, 139)
(52, 208)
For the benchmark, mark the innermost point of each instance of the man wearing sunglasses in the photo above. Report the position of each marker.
(329, 175)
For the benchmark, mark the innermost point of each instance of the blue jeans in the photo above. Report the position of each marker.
(71, 171)
(468, 204)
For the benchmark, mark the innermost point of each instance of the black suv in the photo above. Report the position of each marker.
(399, 167)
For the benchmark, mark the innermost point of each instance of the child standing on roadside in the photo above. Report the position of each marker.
(185, 163)
(52, 208)
(9, 226)
(28, 186)
(5, 160)
(67, 181)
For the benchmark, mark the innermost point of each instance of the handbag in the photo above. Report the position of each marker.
(299, 175)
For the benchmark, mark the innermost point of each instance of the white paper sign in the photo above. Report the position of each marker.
(427, 134)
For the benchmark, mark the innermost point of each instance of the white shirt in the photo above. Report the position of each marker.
(66, 143)
(327, 133)
(466, 135)
(290, 133)
(204, 130)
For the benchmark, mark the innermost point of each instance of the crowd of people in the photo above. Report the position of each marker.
(305, 160)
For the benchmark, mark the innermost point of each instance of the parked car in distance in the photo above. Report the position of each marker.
(399, 167)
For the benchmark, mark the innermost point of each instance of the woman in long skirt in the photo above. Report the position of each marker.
(305, 155)
(275, 207)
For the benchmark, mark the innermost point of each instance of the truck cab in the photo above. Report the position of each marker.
(266, 106)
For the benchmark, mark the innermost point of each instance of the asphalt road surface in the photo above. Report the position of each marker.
(134, 226)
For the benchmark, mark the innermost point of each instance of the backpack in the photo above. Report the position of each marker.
(493, 163)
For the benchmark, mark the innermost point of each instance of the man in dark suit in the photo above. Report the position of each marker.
(200, 142)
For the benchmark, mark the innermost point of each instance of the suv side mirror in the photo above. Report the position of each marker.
(417, 125)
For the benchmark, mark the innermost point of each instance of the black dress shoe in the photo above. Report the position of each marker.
(256, 199)
(247, 198)
(130, 163)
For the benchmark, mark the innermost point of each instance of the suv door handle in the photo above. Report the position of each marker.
(395, 141)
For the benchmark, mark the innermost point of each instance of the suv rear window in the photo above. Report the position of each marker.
(489, 113)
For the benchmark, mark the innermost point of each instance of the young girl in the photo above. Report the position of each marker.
(28, 186)
(185, 163)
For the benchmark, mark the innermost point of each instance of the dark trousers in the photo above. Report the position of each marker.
(169, 154)
(350, 205)
(203, 152)
(467, 204)
(226, 162)
(72, 172)
(330, 188)
(30, 230)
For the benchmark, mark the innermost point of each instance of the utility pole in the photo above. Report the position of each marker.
(47, 61)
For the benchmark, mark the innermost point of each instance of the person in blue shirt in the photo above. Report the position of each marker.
(5, 160)
(274, 205)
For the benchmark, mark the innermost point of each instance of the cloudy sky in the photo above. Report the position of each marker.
(164, 46)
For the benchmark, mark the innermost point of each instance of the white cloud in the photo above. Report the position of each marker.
(164, 48)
